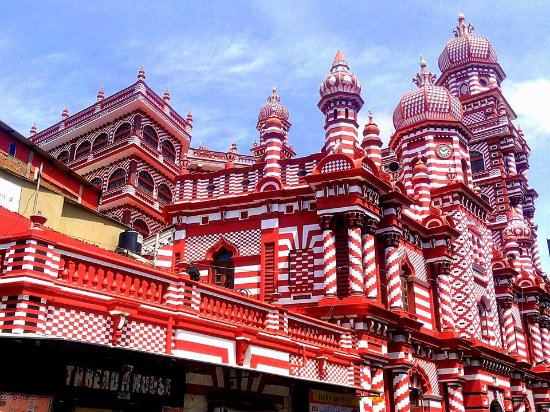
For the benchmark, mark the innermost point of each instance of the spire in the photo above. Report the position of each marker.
(166, 96)
(65, 113)
(462, 29)
(33, 129)
(100, 94)
(141, 74)
(339, 63)
(425, 77)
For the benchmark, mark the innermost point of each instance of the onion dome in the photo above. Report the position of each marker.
(517, 228)
(428, 102)
(466, 48)
(420, 167)
(371, 128)
(340, 79)
(273, 108)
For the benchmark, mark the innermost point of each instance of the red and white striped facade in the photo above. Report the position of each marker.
(410, 273)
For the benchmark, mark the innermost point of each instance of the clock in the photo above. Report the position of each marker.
(443, 151)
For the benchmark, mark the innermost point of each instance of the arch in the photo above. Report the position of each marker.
(141, 226)
(100, 142)
(122, 132)
(168, 150)
(83, 150)
(463, 89)
(334, 163)
(419, 379)
(116, 179)
(406, 272)
(97, 182)
(269, 183)
(222, 243)
(164, 194)
(496, 406)
(63, 156)
(477, 162)
(145, 182)
(150, 136)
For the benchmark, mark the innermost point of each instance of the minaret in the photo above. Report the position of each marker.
(340, 103)
(372, 143)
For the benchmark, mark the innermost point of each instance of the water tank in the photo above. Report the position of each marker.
(130, 240)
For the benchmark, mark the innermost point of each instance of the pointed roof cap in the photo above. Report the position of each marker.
(339, 63)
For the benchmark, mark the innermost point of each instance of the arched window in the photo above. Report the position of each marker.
(63, 156)
(168, 150)
(150, 136)
(145, 182)
(97, 182)
(164, 194)
(117, 178)
(100, 142)
(223, 269)
(141, 227)
(335, 114)
(464, 171)
(405, 289)
(464, 89)
(417, 390)
(83, 150)
(484, 320)
(124, 131)
(476, 159)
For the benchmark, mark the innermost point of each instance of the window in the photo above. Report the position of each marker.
(484, 320)
(417, 389)
(150, 136)
(63, 156)
(463, 89)
(118, 178)
(405, 290)
(141, 227)
(464, 171)
(168, 150)
(223, 269)
(83, 150)
(100, 142)
(164, 194)
(483, 81)
(145, 182)
(476, 159)
(123, 132)
(335, 113)
(12, 149)
(96, 182)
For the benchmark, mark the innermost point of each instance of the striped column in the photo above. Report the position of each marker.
(329, 255)
(272, 136)
(445, 296)
(536, 255)
(377, 385)
(509, 325)
(354, 222)
(536, 340)
(519, 406)
(456, 400)
(401, 390)
(393, 280)
(545, 333)
(370, 270)
(511, 164)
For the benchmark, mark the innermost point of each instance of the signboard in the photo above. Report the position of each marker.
(322, 401)
(10, 195)
(16, 402)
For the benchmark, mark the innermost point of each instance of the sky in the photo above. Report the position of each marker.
(220, 60)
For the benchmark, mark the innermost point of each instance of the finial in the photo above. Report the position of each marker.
(189, 117)
(141, 74)
(65, 113)
(370, 112)
(233, 147)
(166, 96)
(33, 129)
(425, 77)
(339, 63)
(274, 96)
(100, 94)
(462, 29)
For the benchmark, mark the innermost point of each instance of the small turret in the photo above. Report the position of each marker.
(65, 113)
(33, 129)
(372, 143)
(141, 74)
(100, 94)
(166, 96)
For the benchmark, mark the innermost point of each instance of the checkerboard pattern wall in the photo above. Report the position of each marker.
(74, 324)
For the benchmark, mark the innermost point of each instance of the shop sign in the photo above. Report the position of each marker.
(322, 401)
(123, 383)
(16, 402)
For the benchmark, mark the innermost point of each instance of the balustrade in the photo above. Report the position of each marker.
(315, 334)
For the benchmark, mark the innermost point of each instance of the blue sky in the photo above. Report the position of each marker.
(221, 58)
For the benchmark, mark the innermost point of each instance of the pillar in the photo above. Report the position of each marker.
(370, 269)
(536, 340)
(401, 388)
(445, 296)
(354, 221)
(545, 334)
(393, 278)
(329, 255)
(511, 164)
(456, 399)
(509, 325)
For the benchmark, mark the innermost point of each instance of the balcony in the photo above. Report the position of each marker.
(121, 194)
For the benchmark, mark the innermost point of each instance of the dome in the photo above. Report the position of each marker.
(371, 128)
(340, 79)
(273, 108)
(466, 48)
(428, 102)
(517, 228)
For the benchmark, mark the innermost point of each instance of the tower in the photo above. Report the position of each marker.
(340, 103)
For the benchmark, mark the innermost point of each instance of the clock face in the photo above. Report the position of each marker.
(443, 151)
